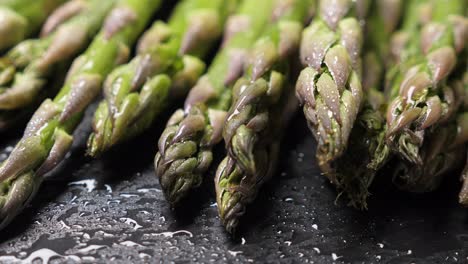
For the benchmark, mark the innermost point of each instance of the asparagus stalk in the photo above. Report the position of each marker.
(329, 88)
(185, 147)
(384, 17)
(421, 97)
(22, 18)
(131, 103)
(252, 131)
(31, 66)
(353, 173)
(48, 136)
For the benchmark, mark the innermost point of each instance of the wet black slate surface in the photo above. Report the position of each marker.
(93, 211)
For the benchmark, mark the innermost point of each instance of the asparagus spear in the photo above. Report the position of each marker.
(329, 87)
(252, 132)
(185, 147)
(443, 151)
(421, 98)
(31, 66)
(22, 18)
(48, 135)
(353, 174)
(434, 150)
(131, 103)
(443, 148)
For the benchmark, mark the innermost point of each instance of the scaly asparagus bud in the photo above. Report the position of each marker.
(443, 151)
(443, 148)
(136, 93)
(252, 144)
(422, 99)
(252, 131)
(185, 147)
(330, 87)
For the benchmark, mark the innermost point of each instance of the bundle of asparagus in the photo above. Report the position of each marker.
(22, 18)
(356, 58)
(442, 151)
(185, 147)
(29, 69)
(135, 93)
(48, 135)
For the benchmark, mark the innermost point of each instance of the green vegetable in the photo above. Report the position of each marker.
(329, 88)
(427, 51)
(185, 147)
(136, 93)
(28, 72)
(48, 136)
(262, 105)
(367, 150)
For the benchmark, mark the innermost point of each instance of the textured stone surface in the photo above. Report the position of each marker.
(113, 209)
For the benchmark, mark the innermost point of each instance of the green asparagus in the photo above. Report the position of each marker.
(29, 69)
(131, 102)
(185, 147)
(329, 88)
(22, 18)
(48, 136)
(421, 97)
(252, 132)
(352, 173)
(443, 148)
